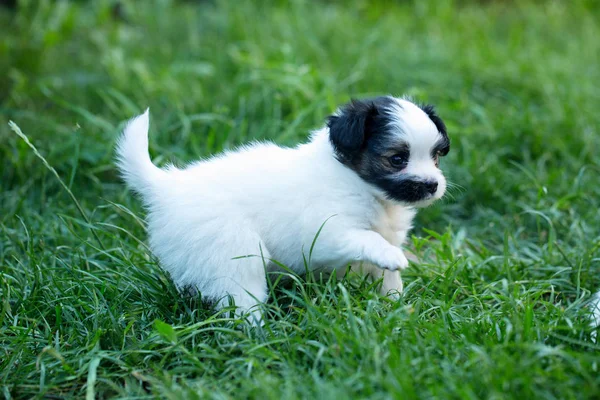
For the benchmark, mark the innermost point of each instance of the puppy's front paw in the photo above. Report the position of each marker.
(393, 259)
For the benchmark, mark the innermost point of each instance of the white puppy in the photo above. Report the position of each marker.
(217, 225)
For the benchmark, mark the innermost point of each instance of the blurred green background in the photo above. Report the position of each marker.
(496, 308)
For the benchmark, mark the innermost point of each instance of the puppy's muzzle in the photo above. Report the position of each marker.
(415, 190)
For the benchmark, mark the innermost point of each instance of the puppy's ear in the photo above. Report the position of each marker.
(439, 124)
(348, 130)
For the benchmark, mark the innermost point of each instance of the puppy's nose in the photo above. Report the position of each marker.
(431, 187)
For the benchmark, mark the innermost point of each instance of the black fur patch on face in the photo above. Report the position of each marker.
(408, 189)
(396, 185)
(357, 122)
(363, 139)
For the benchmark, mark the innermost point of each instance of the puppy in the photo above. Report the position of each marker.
(218, 224)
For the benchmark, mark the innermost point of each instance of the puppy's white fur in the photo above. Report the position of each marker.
(268, 202)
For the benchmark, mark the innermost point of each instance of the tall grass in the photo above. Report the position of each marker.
(494, 309)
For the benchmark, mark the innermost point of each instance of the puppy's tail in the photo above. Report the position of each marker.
(133, 159)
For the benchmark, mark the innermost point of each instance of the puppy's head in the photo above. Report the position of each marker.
(394, 145)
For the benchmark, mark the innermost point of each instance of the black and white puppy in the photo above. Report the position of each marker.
(360, 178)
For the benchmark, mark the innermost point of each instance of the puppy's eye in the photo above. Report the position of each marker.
(398, 160)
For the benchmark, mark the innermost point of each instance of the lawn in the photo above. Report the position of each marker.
(496, 306)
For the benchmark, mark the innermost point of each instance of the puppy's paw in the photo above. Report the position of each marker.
(393, 259)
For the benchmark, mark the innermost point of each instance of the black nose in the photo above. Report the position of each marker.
(431, 187)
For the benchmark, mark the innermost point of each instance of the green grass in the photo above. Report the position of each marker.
(496, 307)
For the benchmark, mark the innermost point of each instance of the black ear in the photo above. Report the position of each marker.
(348, 130)
(439, 124)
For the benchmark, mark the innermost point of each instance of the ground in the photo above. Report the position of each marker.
(496, 306)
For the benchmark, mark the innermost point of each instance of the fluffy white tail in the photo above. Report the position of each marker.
(133, 159)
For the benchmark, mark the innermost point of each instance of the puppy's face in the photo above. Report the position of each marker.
(394, 145)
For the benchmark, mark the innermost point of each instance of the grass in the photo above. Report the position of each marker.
(496, 307)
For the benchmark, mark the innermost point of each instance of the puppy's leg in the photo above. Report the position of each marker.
(358, 245)
(392, 282)
(247, 285)
(247, 293)
(229, 265)
(374, 249)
